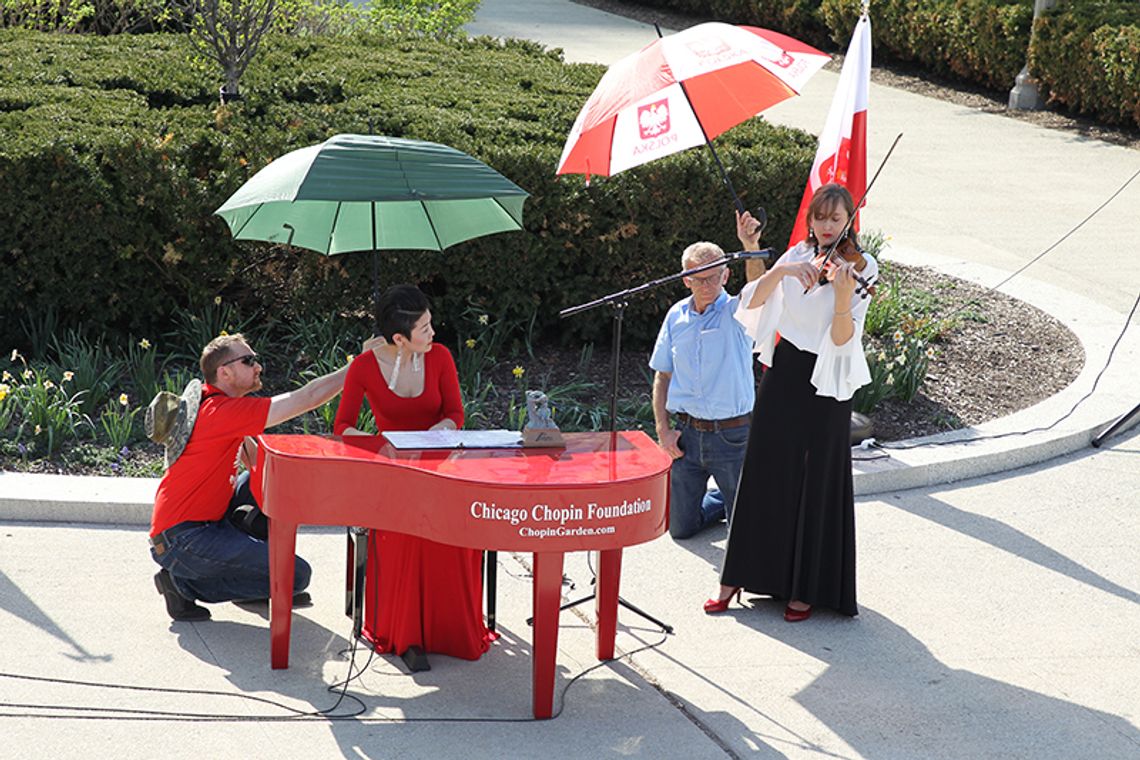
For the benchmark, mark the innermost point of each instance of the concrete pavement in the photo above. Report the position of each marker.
(998, 614)
(998, 619)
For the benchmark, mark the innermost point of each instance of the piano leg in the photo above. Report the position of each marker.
(547, 594)
(282, 556)
(350, 566)
(491, 571)
(606, 601)
(359, 573)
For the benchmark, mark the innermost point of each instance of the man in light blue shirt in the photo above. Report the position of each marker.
(703, 365)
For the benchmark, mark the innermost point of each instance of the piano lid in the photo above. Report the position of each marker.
(587, 458)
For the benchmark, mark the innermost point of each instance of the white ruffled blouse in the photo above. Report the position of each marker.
(805, 320)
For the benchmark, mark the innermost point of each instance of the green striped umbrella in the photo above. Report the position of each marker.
(372, 193)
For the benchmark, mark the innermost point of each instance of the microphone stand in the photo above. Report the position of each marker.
(618, 302)
(1120, 423)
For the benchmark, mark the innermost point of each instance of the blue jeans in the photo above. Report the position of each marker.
(216, 562)
(719, 454)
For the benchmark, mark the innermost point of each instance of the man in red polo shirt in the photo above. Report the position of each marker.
(204, 556)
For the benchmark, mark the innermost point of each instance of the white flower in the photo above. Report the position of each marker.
(901, 359)
(898, 336)
(882, 356)
(890, 379)
(123, 400)
(144, 344)
(67, 376)
(930, 352)
(482, 320)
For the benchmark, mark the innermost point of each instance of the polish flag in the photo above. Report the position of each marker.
(842, 153)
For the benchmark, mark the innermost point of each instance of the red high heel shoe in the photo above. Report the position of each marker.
(795, 616)
(713, 606)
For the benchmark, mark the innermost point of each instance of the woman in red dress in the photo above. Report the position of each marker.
(418, 593)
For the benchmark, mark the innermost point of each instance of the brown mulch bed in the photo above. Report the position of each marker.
(1001, 356)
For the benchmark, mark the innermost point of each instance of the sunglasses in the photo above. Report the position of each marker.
(248, 360)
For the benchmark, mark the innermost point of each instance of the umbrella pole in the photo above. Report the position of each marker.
(708, 142)
(716, 158)
(375, 276)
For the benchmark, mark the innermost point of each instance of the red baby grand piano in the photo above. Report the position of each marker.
(604, 491)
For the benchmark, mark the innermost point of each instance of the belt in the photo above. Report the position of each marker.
(160, 541)
(712, 426)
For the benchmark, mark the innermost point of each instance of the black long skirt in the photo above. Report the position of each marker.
(793, 526)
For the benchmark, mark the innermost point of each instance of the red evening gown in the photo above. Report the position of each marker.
(417, 592)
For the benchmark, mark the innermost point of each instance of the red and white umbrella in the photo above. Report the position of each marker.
(684, 90)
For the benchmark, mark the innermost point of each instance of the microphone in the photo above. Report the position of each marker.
(766, 255)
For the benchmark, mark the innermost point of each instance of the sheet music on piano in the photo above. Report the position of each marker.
(454, 439)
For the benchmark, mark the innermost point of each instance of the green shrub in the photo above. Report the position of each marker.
(1088, 55)
(115, 156)
(798, 18)
(982, 41)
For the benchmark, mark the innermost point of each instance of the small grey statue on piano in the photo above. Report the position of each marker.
(540, 430)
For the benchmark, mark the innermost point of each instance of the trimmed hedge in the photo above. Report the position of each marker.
(115, 154)
(1088, 54)
(799, 18)
(981, 41)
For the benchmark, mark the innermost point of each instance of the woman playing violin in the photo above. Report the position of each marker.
(792, 534)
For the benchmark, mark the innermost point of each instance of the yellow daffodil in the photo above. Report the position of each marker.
(144, 344)
(67, 376)
(4, 391)
(482, 320)
(217, 300)
(123, 400)
(349, 358)
(518, 372)
(470, 343)
(222, 333)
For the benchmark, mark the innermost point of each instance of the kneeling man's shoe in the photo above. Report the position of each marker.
(178, 606)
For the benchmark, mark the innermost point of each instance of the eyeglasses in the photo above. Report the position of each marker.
(248, 360)
(708, 279)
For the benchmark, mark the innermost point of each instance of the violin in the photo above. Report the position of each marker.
(844, 249)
